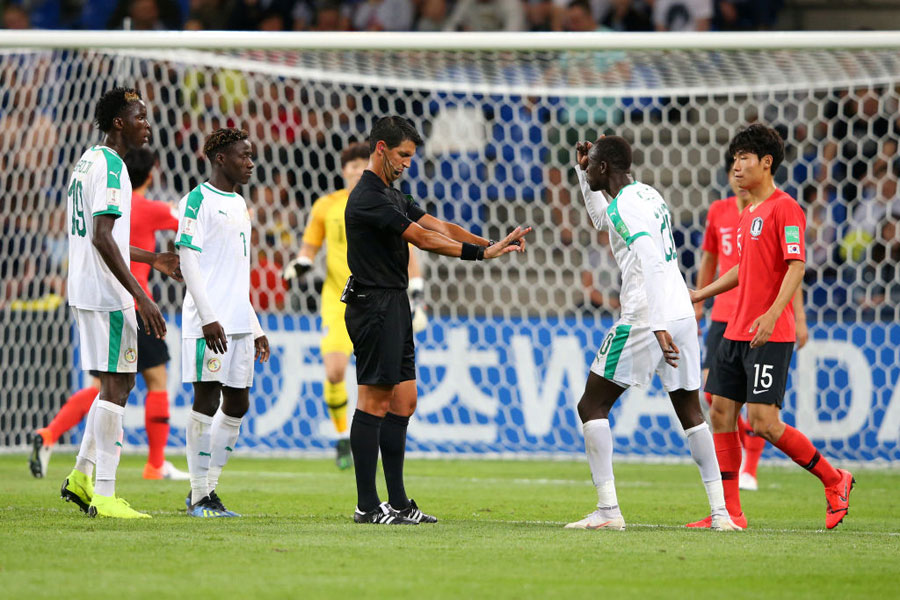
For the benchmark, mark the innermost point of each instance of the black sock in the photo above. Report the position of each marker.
(393, 451)
(364, 445)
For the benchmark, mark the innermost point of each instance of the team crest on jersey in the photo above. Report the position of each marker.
(213, 364)
(130, 355)
(756, 226)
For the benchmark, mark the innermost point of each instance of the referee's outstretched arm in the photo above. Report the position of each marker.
(440, 237)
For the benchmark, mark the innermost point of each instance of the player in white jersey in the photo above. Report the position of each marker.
(220, 332)
(655, 333)
(103, 293)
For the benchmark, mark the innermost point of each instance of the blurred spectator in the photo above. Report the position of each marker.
(329, 15)
(578, 17)
(821, 230)
(600, 279)
(682, 15)
(486, 15)
(543, 15)
(744, 15)
(267, 288)
(432, 15)
(146, 15)
(383, 15)
(15, 17)
(252, 15)
(207, 14)
(879, 288)
(627, 15)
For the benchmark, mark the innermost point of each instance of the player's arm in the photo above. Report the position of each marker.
(595, 202)
(260, 341)
(705, 274)
(800, 319)
(106, 246)
(164, 262)
(433, 241)
(213, 332)
(451, 230)
(765, 324)
(726, 282)
(653, 267)
(416, 293)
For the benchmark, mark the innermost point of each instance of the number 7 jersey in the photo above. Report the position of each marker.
(639, 210)
(217, 225)
(99, 186)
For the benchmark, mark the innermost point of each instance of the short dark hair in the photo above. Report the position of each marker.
(582, 4)
(759, 140)
(615, 150)
(354, 151)
(221, 138)
(393, 131)
(111, 105)
(729, 162)
(139, 163)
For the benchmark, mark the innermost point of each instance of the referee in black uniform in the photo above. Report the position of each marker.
(380, 222)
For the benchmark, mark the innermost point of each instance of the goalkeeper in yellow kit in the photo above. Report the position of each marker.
(326, 225)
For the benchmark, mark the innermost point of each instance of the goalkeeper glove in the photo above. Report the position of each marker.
(298, 267)
(417, 304)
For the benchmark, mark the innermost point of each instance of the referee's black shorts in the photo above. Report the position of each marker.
(753, 375)
(151, 351)
(379, 323)
(714, 336)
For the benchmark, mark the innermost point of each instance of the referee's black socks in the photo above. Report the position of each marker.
(393, 450)
(364, 433)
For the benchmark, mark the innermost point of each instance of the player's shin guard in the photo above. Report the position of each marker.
(108, 433)
(798, 447)
(87, 452)
(336, 399)
(71, 413)
(198, 454)
(364, 434)
(392, 442)
(728, 452)
(224, 436)
(156, 422)
(598, 446)
(703, 451)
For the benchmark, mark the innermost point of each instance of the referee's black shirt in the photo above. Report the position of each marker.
(375, 218)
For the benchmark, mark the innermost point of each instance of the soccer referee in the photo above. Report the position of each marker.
(380, 221)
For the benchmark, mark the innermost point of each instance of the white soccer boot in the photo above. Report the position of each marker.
(600, 519)
(724, 523)
(746, 481)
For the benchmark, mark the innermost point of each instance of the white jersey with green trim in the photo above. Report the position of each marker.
(216, 224)
(637, 211)
(99, 186)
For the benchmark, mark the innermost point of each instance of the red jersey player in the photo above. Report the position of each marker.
(752, 363)
(720, 250)
(147, 217)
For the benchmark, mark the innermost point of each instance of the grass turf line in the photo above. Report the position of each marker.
(500, 536)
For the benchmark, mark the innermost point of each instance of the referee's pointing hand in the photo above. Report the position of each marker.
(508, 244)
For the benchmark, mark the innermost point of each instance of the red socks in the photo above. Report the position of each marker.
(798, 447)
(70, 415)
(753, 447)
(728, 451)
(156, 422)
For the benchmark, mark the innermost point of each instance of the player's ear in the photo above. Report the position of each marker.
(767, 161)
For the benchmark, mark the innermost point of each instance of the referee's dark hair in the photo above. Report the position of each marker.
(759, 140)
(111, 105)
(219, 139)
(140, 163)
(393, 131)
(355, 151)
(615, 150)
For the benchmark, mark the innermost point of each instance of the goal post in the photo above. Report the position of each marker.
(508, 345)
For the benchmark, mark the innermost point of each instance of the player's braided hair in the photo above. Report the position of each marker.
(759, 140)
(111, 105)
(354, 151)
(615, 150)
(220, 138)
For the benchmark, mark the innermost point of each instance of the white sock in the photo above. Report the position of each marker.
(198, 454)
(703, 451)
(225, 432)
(598, 446)
(108, 433)
(87, 453)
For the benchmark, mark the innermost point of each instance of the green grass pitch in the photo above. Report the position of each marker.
(500, 536)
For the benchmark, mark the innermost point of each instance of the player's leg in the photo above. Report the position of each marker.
(226, 429)
(753, 448)
(770, 364)
(336, 400)
(70, 414)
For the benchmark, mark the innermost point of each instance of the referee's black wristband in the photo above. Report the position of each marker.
(471, 252)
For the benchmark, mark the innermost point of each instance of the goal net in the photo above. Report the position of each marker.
(503, 361)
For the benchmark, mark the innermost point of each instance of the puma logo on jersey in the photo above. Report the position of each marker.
(114, 174)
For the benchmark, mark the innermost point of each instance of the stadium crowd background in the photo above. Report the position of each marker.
(846, 157)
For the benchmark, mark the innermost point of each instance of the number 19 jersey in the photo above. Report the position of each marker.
(639, 210)
(99, 186)
(217, 225)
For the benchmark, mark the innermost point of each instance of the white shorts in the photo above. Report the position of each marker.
(233, 369)
(108, 340)
(630, 355)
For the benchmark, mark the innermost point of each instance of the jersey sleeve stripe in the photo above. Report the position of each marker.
(191, 211)
(635, 236)
(114, 169)
(187, 243)
(107, 211)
